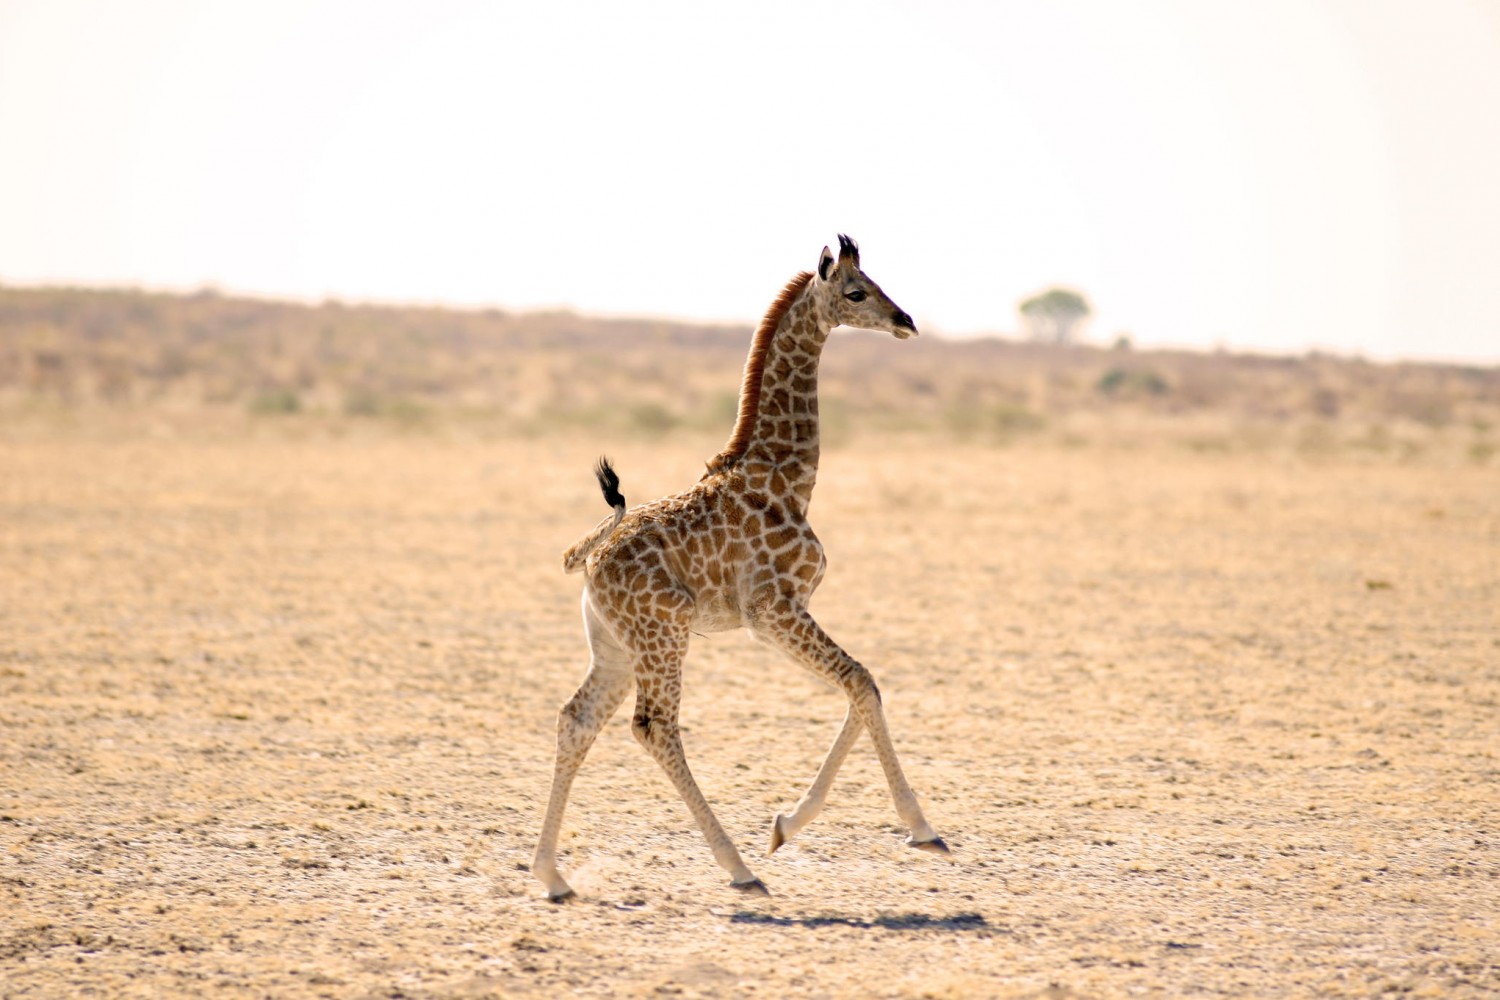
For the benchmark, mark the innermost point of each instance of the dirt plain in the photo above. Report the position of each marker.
(276, 714)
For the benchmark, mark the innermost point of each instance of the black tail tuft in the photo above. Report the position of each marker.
(609, 482)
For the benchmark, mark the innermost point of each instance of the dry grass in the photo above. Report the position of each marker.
(1199, 716)
(174, 363)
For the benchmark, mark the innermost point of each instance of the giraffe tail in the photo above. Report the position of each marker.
(609, 484)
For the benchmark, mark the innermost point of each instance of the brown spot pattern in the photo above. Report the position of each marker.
(735, 550)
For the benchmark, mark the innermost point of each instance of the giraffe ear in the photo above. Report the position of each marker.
(825, 264)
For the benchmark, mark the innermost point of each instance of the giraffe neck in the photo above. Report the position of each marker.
(781, 455)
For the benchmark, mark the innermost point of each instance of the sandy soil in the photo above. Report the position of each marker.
(276, 720)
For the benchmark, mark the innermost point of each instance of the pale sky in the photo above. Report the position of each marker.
(1278, 175)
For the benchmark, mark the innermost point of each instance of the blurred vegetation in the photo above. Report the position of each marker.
(192, 363)
(1051, 316)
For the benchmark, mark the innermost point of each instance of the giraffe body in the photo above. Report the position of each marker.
(734, 551)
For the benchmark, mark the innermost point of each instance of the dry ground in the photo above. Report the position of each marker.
(276, 719)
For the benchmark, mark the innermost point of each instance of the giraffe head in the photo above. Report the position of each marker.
(852, 299)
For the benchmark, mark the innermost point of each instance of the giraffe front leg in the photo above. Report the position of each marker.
(784, 827)
(792, 629)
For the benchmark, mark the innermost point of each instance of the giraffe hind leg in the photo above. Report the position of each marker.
(578, 724)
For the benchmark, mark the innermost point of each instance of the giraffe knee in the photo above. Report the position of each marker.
(860, 685)
(574, 713)
(570, 730)
(864, 694)
(578, 723)
(651, 730)
(642, 726)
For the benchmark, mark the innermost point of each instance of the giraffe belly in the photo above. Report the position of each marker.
(716, 613)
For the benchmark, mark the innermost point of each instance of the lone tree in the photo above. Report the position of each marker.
(1052, 315)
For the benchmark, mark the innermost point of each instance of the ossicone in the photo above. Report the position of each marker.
(848, 249)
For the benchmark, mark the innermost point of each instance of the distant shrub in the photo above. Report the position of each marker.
(963, 417)
(1324, 402)
(1208, 444)
(652, 419)
(273, 401)
(409, 412)
(1010, 419)
(361, 402)
(724, 408)
(1377, 438)
(1132, 382)
(1317, 439)
(968, 418)
(1431, 409)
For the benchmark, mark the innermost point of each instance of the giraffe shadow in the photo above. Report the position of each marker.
(889, 922)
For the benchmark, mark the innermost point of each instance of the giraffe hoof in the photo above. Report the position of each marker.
(754, 887)
(933, 846)
(561, 897)
(777, 836)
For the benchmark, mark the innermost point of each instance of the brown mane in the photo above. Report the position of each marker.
(755, 366)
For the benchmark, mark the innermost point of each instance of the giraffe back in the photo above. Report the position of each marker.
(725, 545)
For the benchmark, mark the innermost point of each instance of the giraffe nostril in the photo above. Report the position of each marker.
(902, 319)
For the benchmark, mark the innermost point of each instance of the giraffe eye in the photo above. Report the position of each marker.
(855, 296)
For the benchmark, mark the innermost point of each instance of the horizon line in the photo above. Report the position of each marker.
(1135, 344)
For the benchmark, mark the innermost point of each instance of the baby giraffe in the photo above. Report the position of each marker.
(734, 551)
